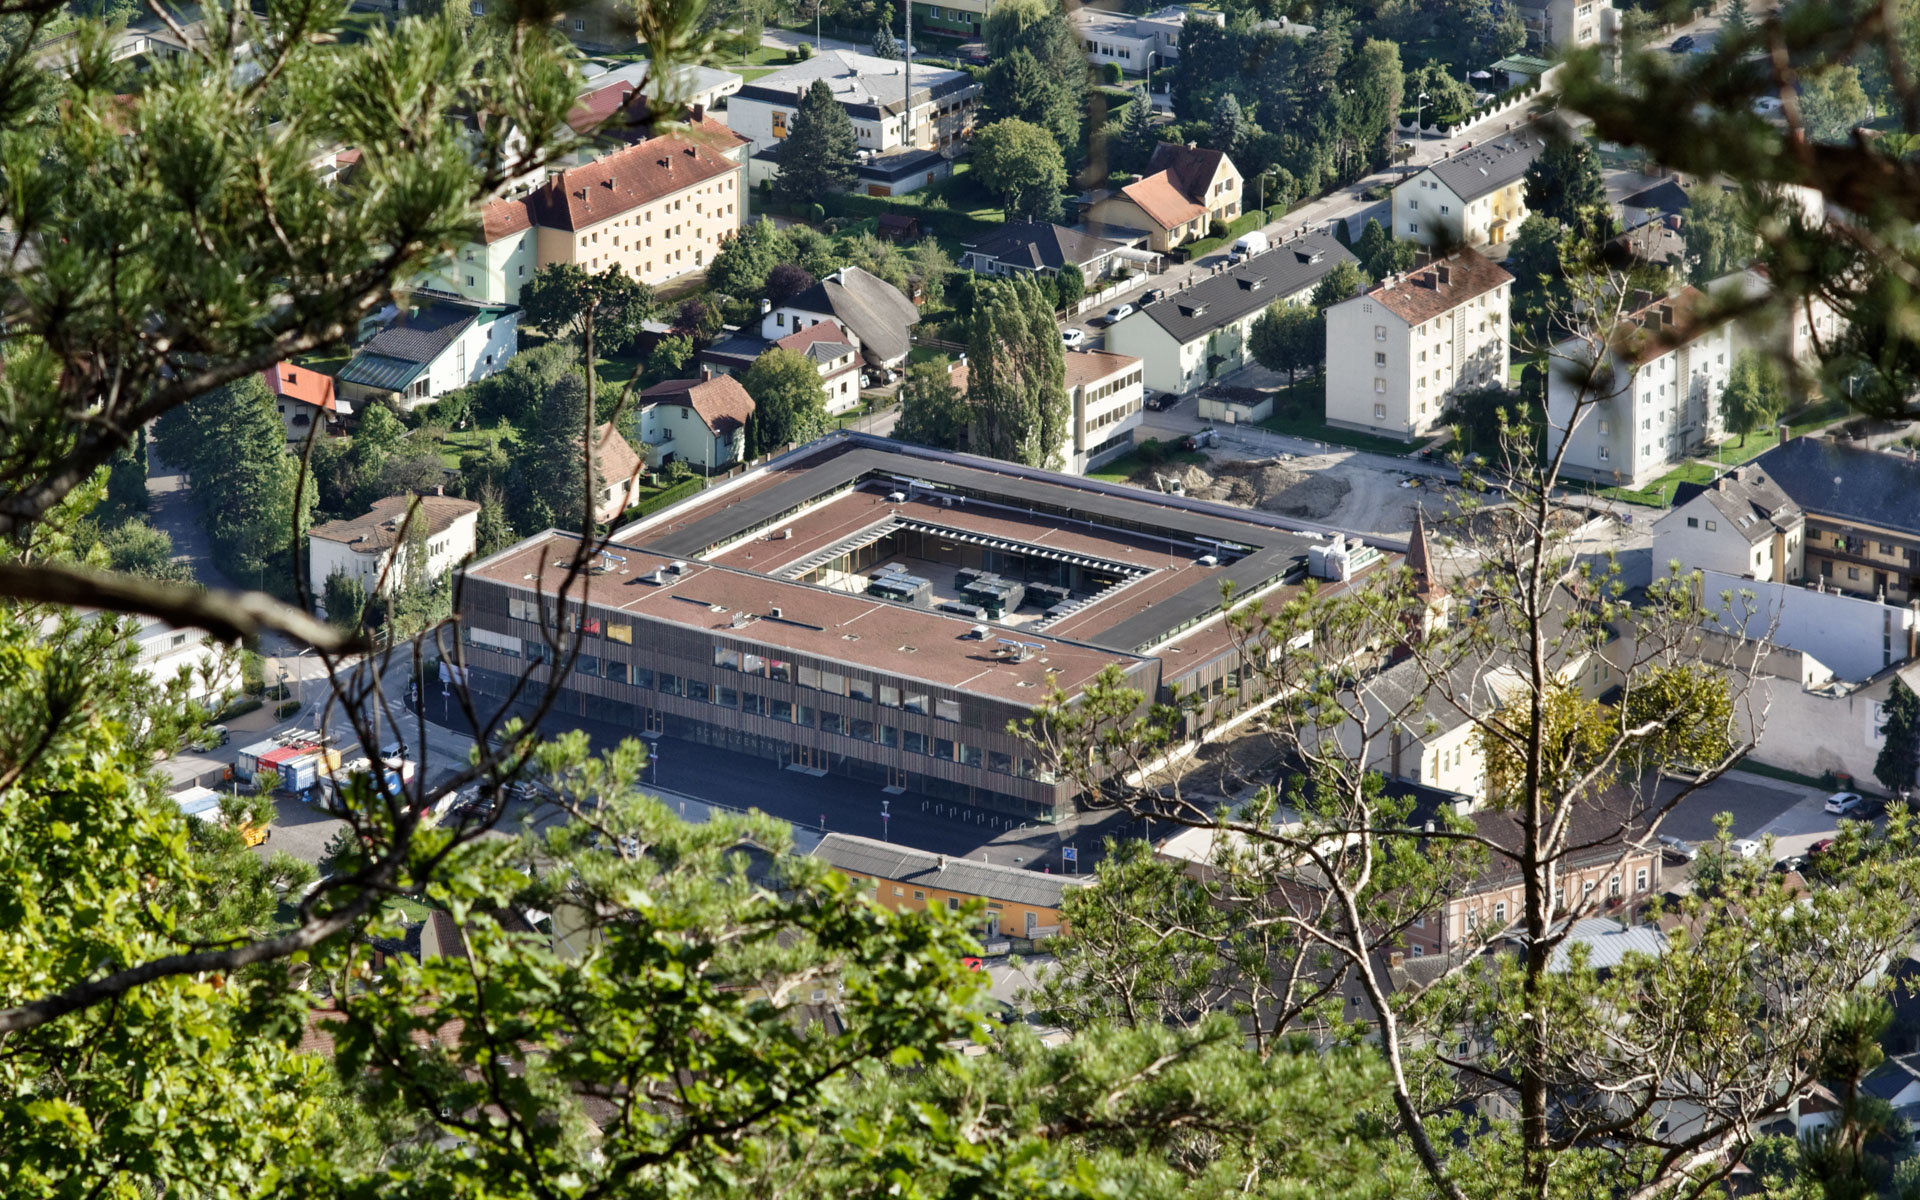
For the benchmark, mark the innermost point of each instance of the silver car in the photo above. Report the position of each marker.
(1680, 848)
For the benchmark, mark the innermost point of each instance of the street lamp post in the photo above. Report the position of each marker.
(1419, 108)
(885, 817)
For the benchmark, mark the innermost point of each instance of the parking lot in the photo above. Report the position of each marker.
(1761, 807)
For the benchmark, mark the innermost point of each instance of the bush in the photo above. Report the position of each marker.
(816, 213)
(282, 712)
(803, 51)
(1161, 80)
(253, 673)
(1216, 228)
(1111, 75)
(238, 708)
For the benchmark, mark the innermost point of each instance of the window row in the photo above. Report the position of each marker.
(834, 683)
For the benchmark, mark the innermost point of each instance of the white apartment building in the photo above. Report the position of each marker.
(372, 547)
(1473, 198)
(1108, 396)
(873, 91)
(1654, 402)
(1398, 352)
(492, 269)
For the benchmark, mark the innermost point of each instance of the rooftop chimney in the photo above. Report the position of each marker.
(1442, 275)
(697, 113)
(706, 372)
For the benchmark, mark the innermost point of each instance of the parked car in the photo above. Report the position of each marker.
(1153, 294)
(210, 737)
(1161, 401)
(1236, 258)
(1680, 848)
(1792, 862)
(1118, 311)
(1073, 339)
(1844, 803)
(1683, 43)
(974, 964)
(1744, 848)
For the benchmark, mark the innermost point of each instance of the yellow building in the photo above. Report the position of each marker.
(1184, 191)
(1020, 902)
(1474, 197)
(656, 210)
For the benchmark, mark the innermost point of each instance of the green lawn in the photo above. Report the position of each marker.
(1124, 468)
(458, 442)
(1300, 411)
(328, 363)
(1659, 493)
(749, 74)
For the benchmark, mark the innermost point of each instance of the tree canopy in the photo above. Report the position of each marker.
(789, 402)
(816, 157)
(1021, 162)
(1017, 372)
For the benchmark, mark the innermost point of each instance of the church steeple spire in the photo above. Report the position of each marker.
(1426, 581)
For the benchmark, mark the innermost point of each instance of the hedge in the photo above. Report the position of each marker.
(1242, 225)
(653, 504)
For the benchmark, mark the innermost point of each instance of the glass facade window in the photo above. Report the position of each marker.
(620, 633)
(860, 689)
(587, 664)
(752, 705)
(728, 659)
(616, 671)
(971, 756)
(833, 683)
(726, 697)
(832, 722)
(1003, 763)
(943, 748)
(889, 696)
(780, 670)
(643, 677)
(803, 715)
(670, 685)
(752, 664)
(890, 736)
(782, 710)
(807, 677)
(916, 704)
(947, 710)
(916, 743)
(863, 730)
(697, 689)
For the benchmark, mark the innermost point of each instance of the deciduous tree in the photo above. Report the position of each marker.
(1288, 337)
(1564, 184)
(932, 411)
(789, 403)
(1755, 394)
(1021, 162)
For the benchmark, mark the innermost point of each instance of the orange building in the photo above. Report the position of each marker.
(1020, 902)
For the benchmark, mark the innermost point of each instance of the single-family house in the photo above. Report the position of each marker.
(880, 318)
(1184, 192)
(1398, 352)
(374, 547)
(622, 474)
(1473, 197)
(439, 343)
(1200, 331)
(305, 399)
(1741, 524)
(1862, 510)
(702, 422)
(835, 353)
(1041, 248)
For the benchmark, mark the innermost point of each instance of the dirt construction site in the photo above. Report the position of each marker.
(1327, 488)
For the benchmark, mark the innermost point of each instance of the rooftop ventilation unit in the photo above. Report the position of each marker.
(1209, 560)
(774, 612)
(896, 497)
(677, 567)
(979, 632)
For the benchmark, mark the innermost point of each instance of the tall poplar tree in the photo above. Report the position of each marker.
(1017, 373)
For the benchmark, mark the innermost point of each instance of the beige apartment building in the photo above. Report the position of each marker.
(1398, 352)
(656, 210)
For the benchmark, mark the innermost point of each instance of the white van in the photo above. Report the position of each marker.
(1253, 243)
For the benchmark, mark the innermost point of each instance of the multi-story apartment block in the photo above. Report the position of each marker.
(492, 269)
(655, 211)
(1184, 192)
(1473, 198)
(1654, 400)
(1399, 351)
(1862, 511)
(880, 613)
(1569, 24)
(874, 93)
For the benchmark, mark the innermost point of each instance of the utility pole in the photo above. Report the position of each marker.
(906, 55)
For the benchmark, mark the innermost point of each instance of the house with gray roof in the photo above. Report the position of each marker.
(440, 343)
(1201, 330)
(1042, 248)
(1475, 197)
(1019, 901)
(1862, 511)
(1741, 524)
(880, 318)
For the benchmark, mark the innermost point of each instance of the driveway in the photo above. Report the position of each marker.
(170, 508)
(1789, 812)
